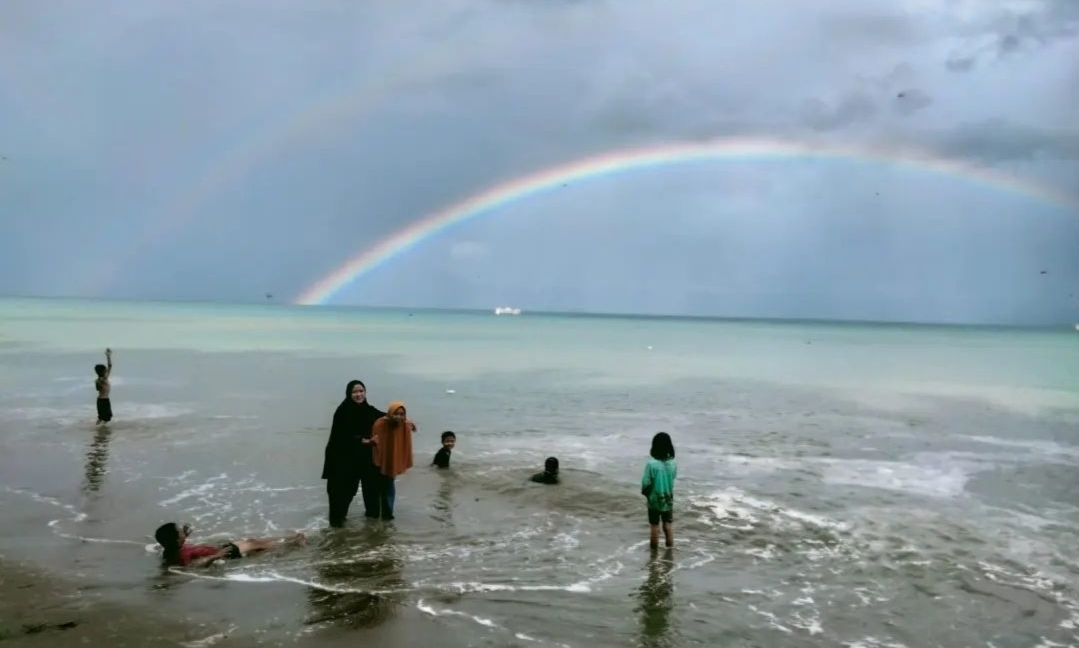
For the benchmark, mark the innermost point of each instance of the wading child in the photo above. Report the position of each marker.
(103, 388)
(549, 474)
(657, 485)
(173, 538)
(442, 457)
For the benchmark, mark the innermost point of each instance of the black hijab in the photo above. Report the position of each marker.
(346, 454)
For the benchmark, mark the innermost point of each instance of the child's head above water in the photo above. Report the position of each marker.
(662, 447)
(171, 536)
(99, 369)
(551, 465)
(449, 439)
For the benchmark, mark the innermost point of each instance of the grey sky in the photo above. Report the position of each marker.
(119, 121)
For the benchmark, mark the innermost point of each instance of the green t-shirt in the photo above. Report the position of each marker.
(660, 476)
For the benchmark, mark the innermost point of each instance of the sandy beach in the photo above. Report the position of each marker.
(39, 609)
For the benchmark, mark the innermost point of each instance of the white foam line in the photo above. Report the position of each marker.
(423, 607)
(210, 640)
(76, 517)
(582, 587)
(707, 558)
(273, 577)
(268, 489)
(201, 489)
(71, 536)
(773, 622)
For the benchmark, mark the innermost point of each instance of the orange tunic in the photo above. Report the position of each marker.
(393, 449)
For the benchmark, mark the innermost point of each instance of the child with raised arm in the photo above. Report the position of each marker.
(657, 485)
(104, 388)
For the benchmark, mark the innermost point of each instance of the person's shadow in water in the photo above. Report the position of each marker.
(97, 456)
(654, 602)
(362, 588)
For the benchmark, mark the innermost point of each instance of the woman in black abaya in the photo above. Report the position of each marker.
(348, 455)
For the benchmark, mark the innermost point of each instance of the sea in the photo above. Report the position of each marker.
(840, 484)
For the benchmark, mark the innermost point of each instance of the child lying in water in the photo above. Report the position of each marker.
(173, 538)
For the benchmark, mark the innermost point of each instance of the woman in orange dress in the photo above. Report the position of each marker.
(392, 435)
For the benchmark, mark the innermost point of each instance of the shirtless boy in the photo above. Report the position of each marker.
(104, 388)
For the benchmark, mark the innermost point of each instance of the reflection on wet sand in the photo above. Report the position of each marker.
(97, 455)
(365, 568)
(655, 603)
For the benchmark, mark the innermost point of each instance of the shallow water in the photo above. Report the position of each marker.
(839, 484)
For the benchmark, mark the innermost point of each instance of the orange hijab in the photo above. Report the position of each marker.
(393, 449)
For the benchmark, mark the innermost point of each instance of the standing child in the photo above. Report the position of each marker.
(657, 485)
(442, 457)
(392, 435)
(104, 388)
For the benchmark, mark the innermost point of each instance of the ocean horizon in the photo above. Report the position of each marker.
(274, 303)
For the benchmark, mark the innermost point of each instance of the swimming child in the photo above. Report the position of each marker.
(657, 485)
(173, 538)
(442, 457)
(104, 388)
(549, 474)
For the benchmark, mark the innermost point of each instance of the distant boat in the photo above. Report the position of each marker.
(507, 310)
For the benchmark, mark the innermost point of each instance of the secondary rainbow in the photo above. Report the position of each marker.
(262, 140)
(635, 159)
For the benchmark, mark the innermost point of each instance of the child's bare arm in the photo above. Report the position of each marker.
(108, 362)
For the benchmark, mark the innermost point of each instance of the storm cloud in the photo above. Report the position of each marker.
(226, 150)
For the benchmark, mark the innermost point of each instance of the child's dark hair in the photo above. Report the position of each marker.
(551, 465)
(662, 447)
(448, 435)
(168, 536)
(99, 369)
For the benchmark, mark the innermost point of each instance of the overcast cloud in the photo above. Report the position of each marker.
(223, 150)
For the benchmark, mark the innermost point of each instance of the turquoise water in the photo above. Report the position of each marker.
(840, 484)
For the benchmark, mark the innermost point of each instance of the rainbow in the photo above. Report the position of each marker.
(636, 159)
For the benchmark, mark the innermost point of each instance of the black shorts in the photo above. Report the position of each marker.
(104, 410)
(654, 516)
(234, 551)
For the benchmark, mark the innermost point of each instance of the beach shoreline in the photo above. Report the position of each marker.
(38, 608)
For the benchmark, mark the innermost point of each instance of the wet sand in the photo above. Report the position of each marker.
(38, 609)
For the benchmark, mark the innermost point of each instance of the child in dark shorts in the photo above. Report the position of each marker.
(173, 538)
(104, 388)
(657, 484)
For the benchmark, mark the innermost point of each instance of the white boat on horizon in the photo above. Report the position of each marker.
(507, 310)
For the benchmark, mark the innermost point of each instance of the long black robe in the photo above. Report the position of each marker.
(348, 461)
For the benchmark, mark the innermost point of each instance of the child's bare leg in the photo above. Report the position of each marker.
(668, 534)
(653, 536)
